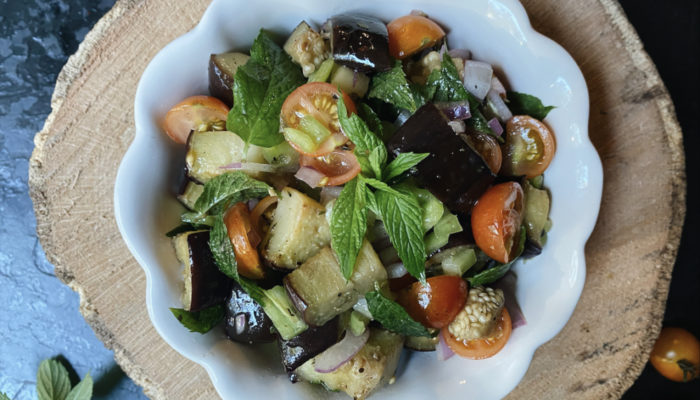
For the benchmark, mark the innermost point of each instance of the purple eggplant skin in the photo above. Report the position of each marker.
(453, 172)
(359, 42)
(308, 345)
(209, 286)
(220, 82)
(254, 325)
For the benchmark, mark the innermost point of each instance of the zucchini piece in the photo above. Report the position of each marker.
(306, 48)
(205, 285)
(222, 69)
(421, 343)
(190, 195)
(536, 212)
(281, 311)
(323, 72)
(319, 290)
(298, 231)
(349, 81)
(208, 152)
(455, 260)
(371, 368)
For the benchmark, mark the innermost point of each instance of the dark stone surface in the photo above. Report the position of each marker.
(40, 317)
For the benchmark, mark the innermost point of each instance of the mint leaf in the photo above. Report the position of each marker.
(526, 104)
(83, 390)
(495, 273)
(403, 221)
(402, 163)
(377, 160)
(479, 122)
(200, 321)
(371, 118)
(259, 89)
(357, 131)
(446, 84)
(3, 396)
(185, 227)
(349, 224)
(392, 87)
(229, 188)
(393, 317)
(52, 382)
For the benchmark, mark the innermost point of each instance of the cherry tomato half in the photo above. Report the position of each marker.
(496, 220)
(488, 148)
(201, 113)
(243, 237)
(676, 355)
(529, 147)
(339, 166)
(436, 303)
(478, 349)
(412, 33)
(319, 100)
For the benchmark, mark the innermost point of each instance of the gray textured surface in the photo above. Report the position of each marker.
(39, 318)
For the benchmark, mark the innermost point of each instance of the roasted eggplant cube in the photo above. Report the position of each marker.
(453, 172)
(246, 322)
(222, 68)
(319, 290)
(205, 285)
(308, 344)
(298, 231)
(368, 370)
(359, 42)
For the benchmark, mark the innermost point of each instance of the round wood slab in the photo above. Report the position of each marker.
(630, 255)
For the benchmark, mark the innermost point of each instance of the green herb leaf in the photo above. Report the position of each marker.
(493, 274)
(3, 396)
(196, 219)
(526, 104)
(393, 317)
(447, 85)
(357, 131)
(185, 227)
(479, 122)
(259, 89)
(402, 163)
(392, 87)
(403, 221)
(349, 224)
(83, 390)
(200, 321)
(371, 118)
(227, 189)
(52, 381)
(377, 160)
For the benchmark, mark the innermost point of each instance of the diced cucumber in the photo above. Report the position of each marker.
(448, 224)
(349, 81)
(281, 155)
(454, 261)
(323, 72)
(190, 195)
(358, 323)
(536, 212)
(282, 313)
(432, 208)
(301, 139)
(314, 128)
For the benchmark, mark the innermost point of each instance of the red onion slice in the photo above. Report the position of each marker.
(499, 106)
(458, 126)
(256, 167)
(234, 165)
(341, 352)
(508, 285)
(496, 126)
(239, 323)
(309, 176)
(444, 351)
(460, 53)
(419, 13)
(498, 87)
(455, 110)
(477, 78)
(329, 193)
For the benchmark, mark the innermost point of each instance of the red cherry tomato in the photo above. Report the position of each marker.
(529, 147)
(436, 303)
(478, 349)
(496, 220)
(339, 166)
(194, 113)
(412, 33)
(242, 237)
(676, 355)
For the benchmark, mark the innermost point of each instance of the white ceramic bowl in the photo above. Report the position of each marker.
(496, 31)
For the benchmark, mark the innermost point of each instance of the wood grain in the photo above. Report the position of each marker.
(630, 255)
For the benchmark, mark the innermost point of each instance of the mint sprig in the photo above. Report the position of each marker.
(392, 87)
(53, 383)
(349, 224)
(200, 321)
(393, 317)
(527, 104)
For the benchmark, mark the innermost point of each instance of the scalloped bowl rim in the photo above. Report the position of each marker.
(145, 208)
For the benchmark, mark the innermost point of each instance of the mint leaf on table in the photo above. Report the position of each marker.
(402, 163)
(259, 89)
(393, 317)
(83, 390)
(200, 321)
(495, 273)
(392, 87)
(403, 221)
(229, 188)
(52, 381)
(3, 396)
(349, 224)
(526, 104)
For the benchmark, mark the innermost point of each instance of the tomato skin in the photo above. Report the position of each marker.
(672, 346)
(340, 166)
(191, 114)
(529, 147)
(496, 220)
(241, 234)
(412, 33)
(436, 303)
(478, 349)
(488, 148)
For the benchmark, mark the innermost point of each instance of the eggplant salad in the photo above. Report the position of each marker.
(360, 189)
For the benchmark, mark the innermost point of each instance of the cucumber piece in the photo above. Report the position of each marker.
(323, 72)
(301, 139)
(421, 343)
(371, 368)
(448, 224)
(536, 212)
(190, 195)
(208, 152)
(282, 313)
(350, 81)
(281, 155)
(454, 261)
(358, 323)
(432, 208)
(319, 290)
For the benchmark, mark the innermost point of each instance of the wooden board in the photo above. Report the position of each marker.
(630, 256)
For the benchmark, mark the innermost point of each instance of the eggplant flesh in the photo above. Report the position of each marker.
(246, 322)
(359, 42)
(308, 344)
(222, 69)
(453, 172)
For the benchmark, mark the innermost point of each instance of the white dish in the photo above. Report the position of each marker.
(496, 31)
